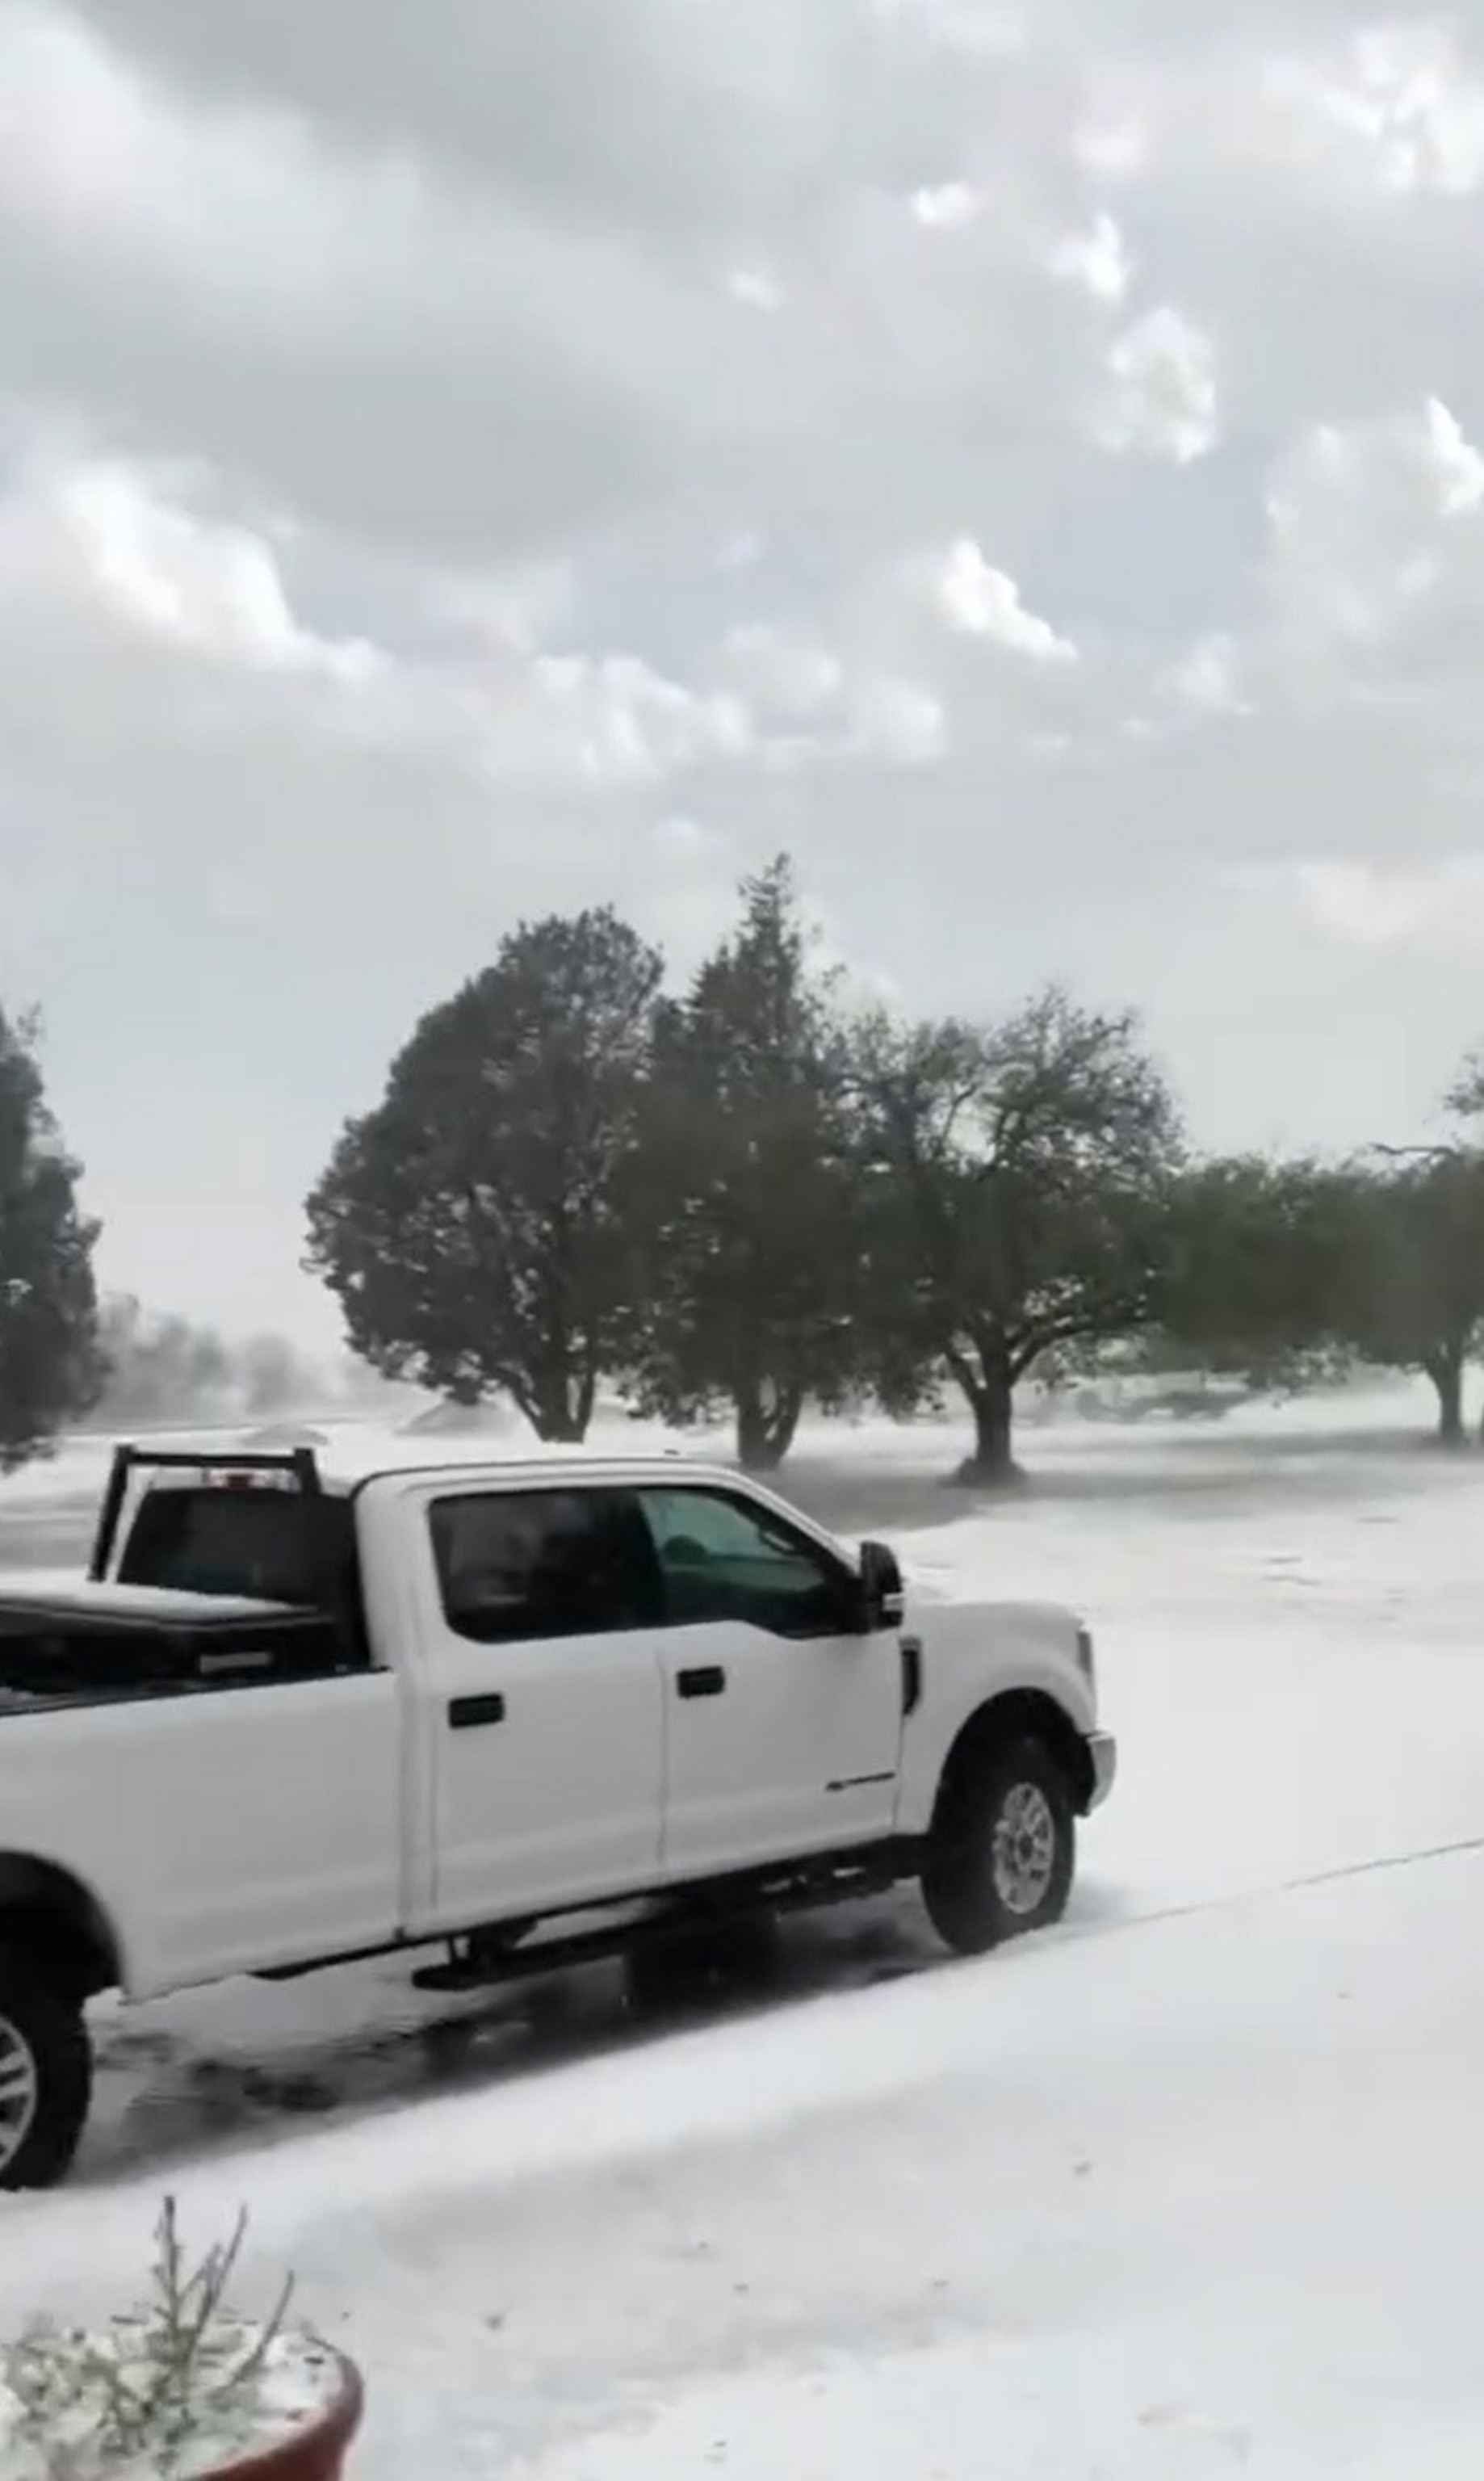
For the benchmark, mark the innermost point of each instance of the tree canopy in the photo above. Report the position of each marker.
(478, 1226)
(750, 1186)
(1021, 1185)
(1413, 1293)
(1261, 1278)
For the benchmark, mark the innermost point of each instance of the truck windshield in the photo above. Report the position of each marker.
(273, 1546)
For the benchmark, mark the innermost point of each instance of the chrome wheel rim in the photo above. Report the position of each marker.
(1024, 1850)
(19, 2093)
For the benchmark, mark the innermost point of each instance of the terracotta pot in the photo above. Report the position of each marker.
(315, 2451)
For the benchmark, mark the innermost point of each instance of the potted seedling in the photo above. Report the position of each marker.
(179, 2387)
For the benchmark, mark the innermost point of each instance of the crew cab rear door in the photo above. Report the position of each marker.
(542, 1698)
(244, 1825)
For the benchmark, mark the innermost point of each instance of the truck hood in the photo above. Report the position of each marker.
(1055, 1618)
(988, 1646)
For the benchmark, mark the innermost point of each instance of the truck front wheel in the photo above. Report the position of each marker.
(1001, 1849)
(46, 2078)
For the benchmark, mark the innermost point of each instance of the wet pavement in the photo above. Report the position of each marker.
(214, 2069)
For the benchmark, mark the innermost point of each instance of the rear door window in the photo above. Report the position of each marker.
(517, 1566)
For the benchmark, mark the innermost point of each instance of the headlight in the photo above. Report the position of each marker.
(1084, 1655)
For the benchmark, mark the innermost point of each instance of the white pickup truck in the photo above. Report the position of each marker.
(291, 1719)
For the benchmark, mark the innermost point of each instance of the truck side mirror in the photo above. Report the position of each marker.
(882, 1597)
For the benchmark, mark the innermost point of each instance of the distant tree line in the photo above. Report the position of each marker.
(161, 1369)
(755, 1195)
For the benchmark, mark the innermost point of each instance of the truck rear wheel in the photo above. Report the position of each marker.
(46, 2078)
(1002, 1846)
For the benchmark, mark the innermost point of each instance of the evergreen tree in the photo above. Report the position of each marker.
(51, 1368)
(477, 1227)
(750, 1187)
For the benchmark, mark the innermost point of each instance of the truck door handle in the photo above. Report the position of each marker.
(710, 1681)
(473, 1713)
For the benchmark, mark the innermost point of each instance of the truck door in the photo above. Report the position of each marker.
(545, 1713)
(782, 1721)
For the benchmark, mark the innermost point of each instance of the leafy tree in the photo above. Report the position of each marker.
(751, 1184)
(1419, 1291)
(50, 1364)
(168, 1369)
(1019, 1200)
(477, 1226)
(1261, 1269)
(1414, 1295)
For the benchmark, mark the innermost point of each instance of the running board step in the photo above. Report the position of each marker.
(482, 1966)
(484, 1963)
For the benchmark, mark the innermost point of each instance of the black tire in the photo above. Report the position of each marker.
(41, 2029)
(1006, 1812)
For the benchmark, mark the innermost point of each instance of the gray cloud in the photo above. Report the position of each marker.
(463, 462)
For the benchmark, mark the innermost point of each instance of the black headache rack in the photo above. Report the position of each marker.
(295, 1546)
(298, 1463)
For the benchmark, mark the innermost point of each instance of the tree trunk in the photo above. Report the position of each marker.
(559, 1414)
(765, 1423)
(556, 1425)
(1445, 1370)
(992, 1401)
(558, 1399)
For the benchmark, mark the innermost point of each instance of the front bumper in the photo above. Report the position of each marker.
(1102, 1767)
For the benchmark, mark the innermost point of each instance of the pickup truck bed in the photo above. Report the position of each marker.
(88, 1644)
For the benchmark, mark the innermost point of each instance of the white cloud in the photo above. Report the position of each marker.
(1207, 679)
(785, 672)
(948, 206)
(984, 603)
(898, 722)
(616, 718)
(1162, 398)
(1114, 150)
(1404, 99)
(97, 533)
(1377, 909)
(1096, 258)
(121, 555)
(755, 288)
(1374, 532)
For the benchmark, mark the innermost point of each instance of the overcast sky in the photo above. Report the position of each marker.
(462, 461)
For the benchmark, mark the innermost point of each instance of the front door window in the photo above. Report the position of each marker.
(720, 1560)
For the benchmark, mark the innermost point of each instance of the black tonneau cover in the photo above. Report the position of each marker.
(85, 1603)
(84, 1644)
